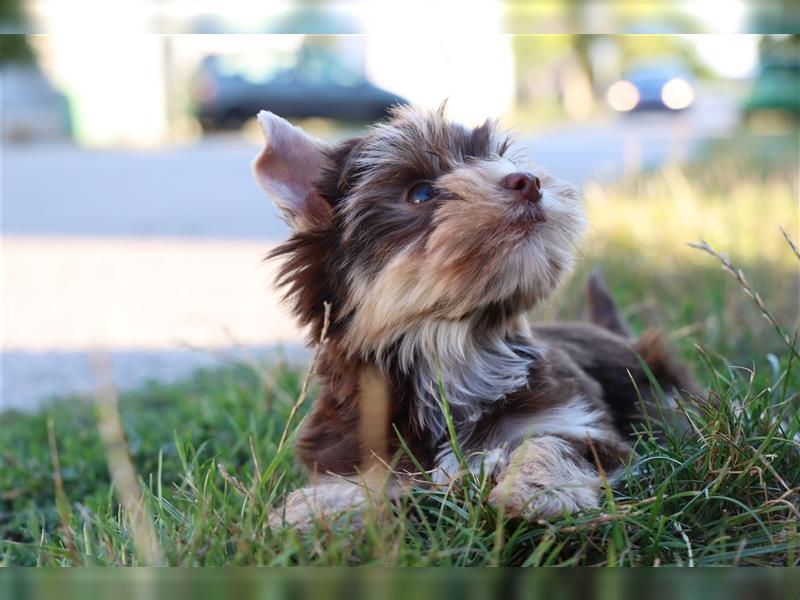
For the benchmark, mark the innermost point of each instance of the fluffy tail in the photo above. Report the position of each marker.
(662, 360)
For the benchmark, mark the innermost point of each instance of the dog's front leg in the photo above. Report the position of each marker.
(549, 476)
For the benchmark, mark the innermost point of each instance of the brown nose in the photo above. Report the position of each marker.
(528, 185)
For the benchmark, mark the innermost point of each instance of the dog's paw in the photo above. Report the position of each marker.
(487, 463)
(544, 478)
(326, 501)
(524, 498)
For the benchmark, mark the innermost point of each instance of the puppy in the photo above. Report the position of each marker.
(431, 242)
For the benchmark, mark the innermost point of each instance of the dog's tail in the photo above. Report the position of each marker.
(665, 365)
(652, 346)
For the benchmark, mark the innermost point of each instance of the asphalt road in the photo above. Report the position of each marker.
(155, 257)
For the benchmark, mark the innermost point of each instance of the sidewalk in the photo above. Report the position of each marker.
(159, 307)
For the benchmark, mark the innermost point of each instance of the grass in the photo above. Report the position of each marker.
(204, 466)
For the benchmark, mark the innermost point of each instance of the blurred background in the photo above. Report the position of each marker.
(131, 224)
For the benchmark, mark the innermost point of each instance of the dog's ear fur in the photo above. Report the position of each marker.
(287, 168)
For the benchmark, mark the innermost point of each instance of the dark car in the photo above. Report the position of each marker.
(652, 87)
(322, 87)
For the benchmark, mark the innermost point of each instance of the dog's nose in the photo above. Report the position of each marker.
(528, 185)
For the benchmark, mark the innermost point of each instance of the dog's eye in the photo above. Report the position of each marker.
(421, 192)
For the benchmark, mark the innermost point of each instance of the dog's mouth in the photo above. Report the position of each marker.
(526, 213)
(528, 217)
(536, 213)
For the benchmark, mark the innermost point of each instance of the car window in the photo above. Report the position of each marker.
(252, 67)
(310, 66)
(324, 68)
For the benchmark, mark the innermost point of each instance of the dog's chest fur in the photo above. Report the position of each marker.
(500, 391)
(464, 365)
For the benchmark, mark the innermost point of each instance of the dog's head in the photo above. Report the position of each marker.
(418, 220)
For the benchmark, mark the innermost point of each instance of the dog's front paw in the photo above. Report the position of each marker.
(325, 501)
(297, 511)
(531, 500)
(544, 478)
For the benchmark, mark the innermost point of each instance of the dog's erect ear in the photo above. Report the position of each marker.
(286, 169)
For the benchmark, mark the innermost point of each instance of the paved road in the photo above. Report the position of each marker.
(156, 256)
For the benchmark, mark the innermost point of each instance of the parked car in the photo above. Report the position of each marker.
(652, 87)
(776, 89)
(323, 87)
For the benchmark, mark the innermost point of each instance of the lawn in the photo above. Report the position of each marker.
(207, 467)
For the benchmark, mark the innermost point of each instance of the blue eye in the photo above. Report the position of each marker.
(421, 192)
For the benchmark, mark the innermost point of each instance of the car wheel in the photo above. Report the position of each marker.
(233, 120)
(208, 126)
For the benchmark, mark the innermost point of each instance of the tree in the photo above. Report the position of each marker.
(14, 47)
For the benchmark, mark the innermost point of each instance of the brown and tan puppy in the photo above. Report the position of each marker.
(431, 242)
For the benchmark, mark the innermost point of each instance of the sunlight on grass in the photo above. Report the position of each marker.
(656, 218)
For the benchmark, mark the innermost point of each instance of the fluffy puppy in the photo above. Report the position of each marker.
(431, 242)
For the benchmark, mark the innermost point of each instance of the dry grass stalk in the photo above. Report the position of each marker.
(740, 277)
(121, 469)
(62, 503)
